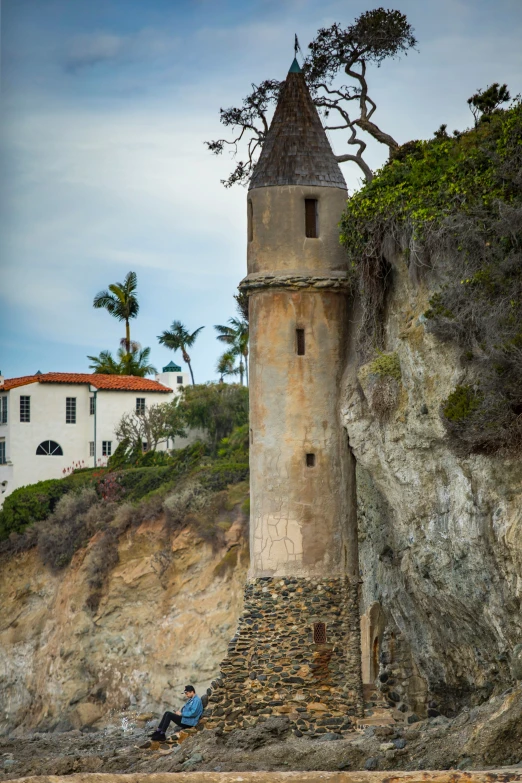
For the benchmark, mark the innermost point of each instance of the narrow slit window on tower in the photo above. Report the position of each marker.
(311, 230)
(319, 633)
(250, 220)
(300, 339)
(310, 460)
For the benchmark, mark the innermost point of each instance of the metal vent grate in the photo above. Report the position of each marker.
(319, 633)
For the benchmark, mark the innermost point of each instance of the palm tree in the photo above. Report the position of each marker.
(104, 364)
(178, 338)
(236, 336)
(134, 363)
(121, 302)
(226, 365)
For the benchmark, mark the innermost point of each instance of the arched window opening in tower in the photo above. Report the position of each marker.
(250, 220)
(300, 340)
(319, 633)
(310, 460)
(49, 448)
(311, 227)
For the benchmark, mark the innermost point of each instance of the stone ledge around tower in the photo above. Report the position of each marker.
(296, 281)
(296, 653)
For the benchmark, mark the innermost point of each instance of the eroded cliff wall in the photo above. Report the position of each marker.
(440, 535)
(167, 612)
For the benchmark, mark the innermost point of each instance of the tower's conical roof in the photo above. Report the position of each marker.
(296, 150)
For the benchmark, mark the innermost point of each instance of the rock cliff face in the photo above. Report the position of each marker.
(166, 616)
(440, 552)
(440, 534)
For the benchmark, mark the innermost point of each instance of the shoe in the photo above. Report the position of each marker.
(158, 736)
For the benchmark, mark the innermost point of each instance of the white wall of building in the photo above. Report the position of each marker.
(174, 380)
(48, 422)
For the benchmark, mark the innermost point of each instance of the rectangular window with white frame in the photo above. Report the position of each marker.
(70, 410)
(3, 409)
(91, 448)
(25, 408)
(3, 459)
(140, 406)
(106, 448)
(92, 406)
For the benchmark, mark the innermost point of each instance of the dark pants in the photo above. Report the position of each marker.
(167, 718)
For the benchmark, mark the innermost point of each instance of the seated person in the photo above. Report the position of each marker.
(186, 718)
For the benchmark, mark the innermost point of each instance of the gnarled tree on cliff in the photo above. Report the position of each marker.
(373, 37)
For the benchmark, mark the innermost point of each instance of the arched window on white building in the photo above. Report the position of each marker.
(50, 448)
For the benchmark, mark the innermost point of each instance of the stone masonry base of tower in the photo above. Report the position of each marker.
(297, 653)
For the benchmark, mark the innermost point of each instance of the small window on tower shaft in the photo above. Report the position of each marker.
(310, 460)
(300, 339)
(311, 230)
(250, 221)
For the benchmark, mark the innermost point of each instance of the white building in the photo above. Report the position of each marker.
(51, 422)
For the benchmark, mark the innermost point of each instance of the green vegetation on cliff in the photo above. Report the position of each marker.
(60, 515)
(386, 365)
(453, 207)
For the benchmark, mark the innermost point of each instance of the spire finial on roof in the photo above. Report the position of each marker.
(295, 67)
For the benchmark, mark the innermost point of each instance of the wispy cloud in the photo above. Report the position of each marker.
(90, 49)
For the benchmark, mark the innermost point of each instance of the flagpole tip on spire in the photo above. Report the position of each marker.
(295, 67)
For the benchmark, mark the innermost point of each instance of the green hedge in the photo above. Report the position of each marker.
(35, 502)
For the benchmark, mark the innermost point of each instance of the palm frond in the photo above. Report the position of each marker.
(104, 299)
(131, 282)
(104, 364)
(192, 337)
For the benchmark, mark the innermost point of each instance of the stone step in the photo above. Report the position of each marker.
(385, 720)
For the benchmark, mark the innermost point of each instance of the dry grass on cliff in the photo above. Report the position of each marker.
(77, 517)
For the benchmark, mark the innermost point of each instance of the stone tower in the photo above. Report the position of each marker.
(297, 649)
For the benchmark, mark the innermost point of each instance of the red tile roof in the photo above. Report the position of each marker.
(104, 382)
(12, 383)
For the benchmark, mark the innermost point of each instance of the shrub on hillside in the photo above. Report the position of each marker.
(66, 529)
(35, 502)
(30, 504)
(480, 421)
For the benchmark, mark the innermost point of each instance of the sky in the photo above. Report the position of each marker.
(104, 109)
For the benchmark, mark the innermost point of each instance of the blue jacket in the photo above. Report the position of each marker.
(191, 711)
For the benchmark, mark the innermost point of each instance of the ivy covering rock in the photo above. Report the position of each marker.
(453, 207)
